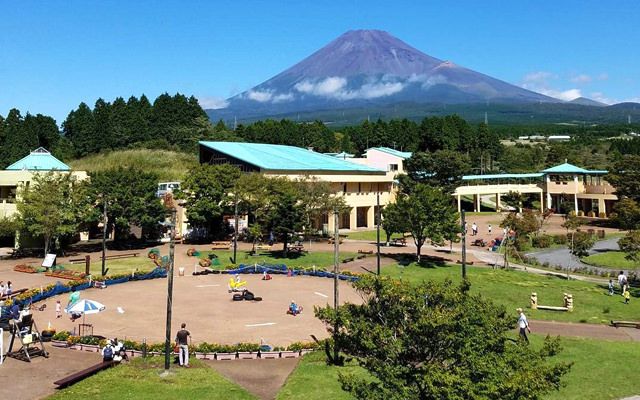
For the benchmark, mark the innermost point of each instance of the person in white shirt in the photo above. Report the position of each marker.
(523, 325)
(622, 281)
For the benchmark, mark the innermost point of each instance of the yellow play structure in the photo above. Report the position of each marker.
(236, 285)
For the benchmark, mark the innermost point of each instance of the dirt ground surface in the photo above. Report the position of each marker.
(593, 331)
(262, 378)
(25, 381)
(136, 310)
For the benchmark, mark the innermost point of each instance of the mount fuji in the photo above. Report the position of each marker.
(371, 69)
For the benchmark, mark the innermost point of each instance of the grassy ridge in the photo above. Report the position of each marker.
(168, 165)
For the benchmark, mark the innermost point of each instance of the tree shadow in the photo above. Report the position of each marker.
(426, 261)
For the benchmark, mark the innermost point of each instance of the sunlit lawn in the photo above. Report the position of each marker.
(320, 259)
(117, 266)
(513, 289)
(611, 259)
(141, 379)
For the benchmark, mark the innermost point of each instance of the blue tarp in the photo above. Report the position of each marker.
(282, 269)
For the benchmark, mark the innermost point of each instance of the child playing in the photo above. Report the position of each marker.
(294, 309)
(610, 287)
(626, 296)
(58, 309)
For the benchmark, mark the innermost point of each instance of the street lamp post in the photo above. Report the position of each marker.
(167, 343)
(464, 245)
(378, 233)
(235, 236)
(336, 256)
(104, 237)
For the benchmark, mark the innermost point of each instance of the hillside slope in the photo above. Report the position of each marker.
(168, 165)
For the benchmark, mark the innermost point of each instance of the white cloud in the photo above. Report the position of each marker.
(603, 76)
(336, 87)
(599, 96)
(540, 77)
(212, 102)
(581, 78)
(427, 81)
(265, 96)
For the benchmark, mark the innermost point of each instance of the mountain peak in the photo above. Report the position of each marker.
(366, 66)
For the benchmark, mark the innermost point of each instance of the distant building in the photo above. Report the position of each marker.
(19, 175)
(357, 180)
(563, 187)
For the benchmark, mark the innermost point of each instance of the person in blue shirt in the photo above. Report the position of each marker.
(14, 311)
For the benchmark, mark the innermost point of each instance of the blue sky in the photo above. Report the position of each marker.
(53, 55)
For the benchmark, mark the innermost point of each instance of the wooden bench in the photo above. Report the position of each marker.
(85, 373)
(220, 245)
(13, 293)
(630, 324)
(360, 251)
(346, 260)
(263, 247)
(399, 241)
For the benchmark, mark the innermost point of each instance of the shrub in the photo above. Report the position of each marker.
(606, 310)
(542, 241)
(560, 239)
(62, 335)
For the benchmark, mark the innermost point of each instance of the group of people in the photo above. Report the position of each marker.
(624, 287)
(475, 229)
(6, 289)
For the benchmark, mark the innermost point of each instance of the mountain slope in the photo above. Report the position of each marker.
(372, 68)
(587, 102)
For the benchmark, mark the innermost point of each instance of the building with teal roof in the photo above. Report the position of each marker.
(358, 180)
(19, 175)
(562, 188)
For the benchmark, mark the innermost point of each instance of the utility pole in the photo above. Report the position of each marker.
(167, 343)
(336, 261)
(378, 230)
(235, 236)
(104, 236)
(464, 245)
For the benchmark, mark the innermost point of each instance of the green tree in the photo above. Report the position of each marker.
(52, 206)
(630, 244)
(427, 213)
(285, 215)
(316, 200)
(130, 195)
(581, 243)
(10, 225)
(207, 190)
(437, 341)
(625, 177)
(443, 169)
(392, 221)
(627, 214)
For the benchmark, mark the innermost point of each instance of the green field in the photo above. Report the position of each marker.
(371, 235)
(320, 259)
(601, 370)
(513, 289)
(611, 259)
(118, 266)
(168, 165)
(140, 379)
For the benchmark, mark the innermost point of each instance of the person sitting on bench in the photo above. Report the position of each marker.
(74, 316)
(108, 352)
(294, 309)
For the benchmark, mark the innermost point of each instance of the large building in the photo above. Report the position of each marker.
(19, 175)
(358, 180)
(561, 188)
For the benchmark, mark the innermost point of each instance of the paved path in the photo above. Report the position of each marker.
(562, 256)
(593, 331)
(262, 378)
(34, 380)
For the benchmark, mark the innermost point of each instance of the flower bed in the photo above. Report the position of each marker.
(29, 269)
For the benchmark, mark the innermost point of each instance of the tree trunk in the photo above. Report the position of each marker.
(419, 244)
(47, 243)
(284, 248)
(388, 238)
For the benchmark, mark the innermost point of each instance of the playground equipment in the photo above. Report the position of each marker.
(26, 331)
(236, 285)
(566, 298)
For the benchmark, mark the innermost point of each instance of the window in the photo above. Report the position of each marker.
(344, 187)
(393, 167)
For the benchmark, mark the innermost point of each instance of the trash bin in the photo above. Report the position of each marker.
(181, 271)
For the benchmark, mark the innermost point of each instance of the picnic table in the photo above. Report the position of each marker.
(399, 241)
(263, 247)
(297, 248)
(220, 245)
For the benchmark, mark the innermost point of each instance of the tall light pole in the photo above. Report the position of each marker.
(378, 231)
(167, 343)
(235, 236)
(104, 235)
(464, 245)
(336, 261)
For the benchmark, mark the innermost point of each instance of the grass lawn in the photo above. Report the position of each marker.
(313, 379)
(140, 380)
(317, 258)
(117, 266)
(611, 259)
(513, 289)
(601, 370)
(371, 235)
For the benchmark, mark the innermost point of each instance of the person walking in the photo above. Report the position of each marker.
(627, 296)
(182, 340)
(523, 325)
(58, 309)
(611, 287)
(622, 281)
(489, 228)
(8, 290)
(474, 229)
